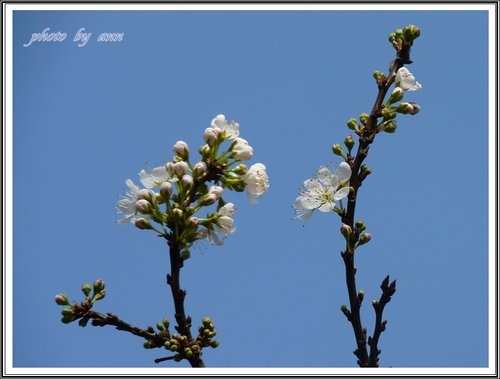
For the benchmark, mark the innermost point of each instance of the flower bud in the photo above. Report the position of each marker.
(192, 222)
(349, 143)
(388, 126)
(188, 352)
(166, 190)
(181, 150)
(61, 299)
(241, 169)
(363, 118)
(396, 95)
(187, 181)
(210, 136)
(352, 124)
(142, 223)
(99, 285)
(337, 149)
(214, 343)
(86, 289)
(143, 206)
(365, 170)
(416, 109)
(199, 169)
(379, 76)
(404, 108)
(180, 168)
(241, 150)
(145, 194)
(388, 113)
(345, 230)
(99, 296)
(411, 32)
(364, 238)
(360, 226)
(361, 295)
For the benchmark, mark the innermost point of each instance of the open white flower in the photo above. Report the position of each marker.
(126, 205)
(257, 182)
(406, 81)
(223, 226)
(322, 191)
(157, 176)
(230, 130)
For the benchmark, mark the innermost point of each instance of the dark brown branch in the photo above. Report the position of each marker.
(367, 136)
(178, 294)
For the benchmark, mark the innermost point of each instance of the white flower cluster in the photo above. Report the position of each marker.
(182, 188)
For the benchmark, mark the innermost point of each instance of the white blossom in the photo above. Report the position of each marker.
(241, 150)
(229, 130)
(257, 182)
(406, 81)
(322, 191)
(157, 176)
(126, 205)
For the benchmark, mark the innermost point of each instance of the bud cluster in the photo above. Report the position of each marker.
(181, 345)
(74, 311)
(174, 193)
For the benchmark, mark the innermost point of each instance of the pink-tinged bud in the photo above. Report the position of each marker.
(199, 169)
(146, 194)
(180, 168)
(99, 285)
(181, 149)
(216, 190)
(405, 108)
(61, 299)
(178, 213)
(193, 221)
(187, 181)
(210, 136)
(207, 199)
(364, 238)
(142, 223)
(166, 190)
(345, 230)
(143, 206)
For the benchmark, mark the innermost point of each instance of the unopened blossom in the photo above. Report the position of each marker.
(157, 176)
(181, 149)
(322, 191)
(257, 182)
(406, 81)
(229, 130)
(241, 150)
(126, 205)
(210, 135)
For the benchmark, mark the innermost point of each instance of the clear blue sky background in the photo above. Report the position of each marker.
(87, 118)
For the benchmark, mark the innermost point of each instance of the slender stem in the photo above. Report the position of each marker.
(178, 294)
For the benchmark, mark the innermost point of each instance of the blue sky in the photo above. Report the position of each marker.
(87, 118)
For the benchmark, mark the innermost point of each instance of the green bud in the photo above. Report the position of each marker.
(160, 326)
(360, 225)
(214, 343)
(388, 113)
(396, 95)
(148, 344)
(167, 345)
(379, 75)
(363, 117)
(365, 170)
(388, 126)
(195, 348)
(352, 124)
(405, 108)
(188, 352)
(346, 311)
(99, 296)
(241, 169)
(207, 322)
(349, 143)
(411, 32)
(173, 347)
(166, 323)
(86, 289)
(68, 315)
(62, 299)
(142, 223)
(392, 37)
(338, 150)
